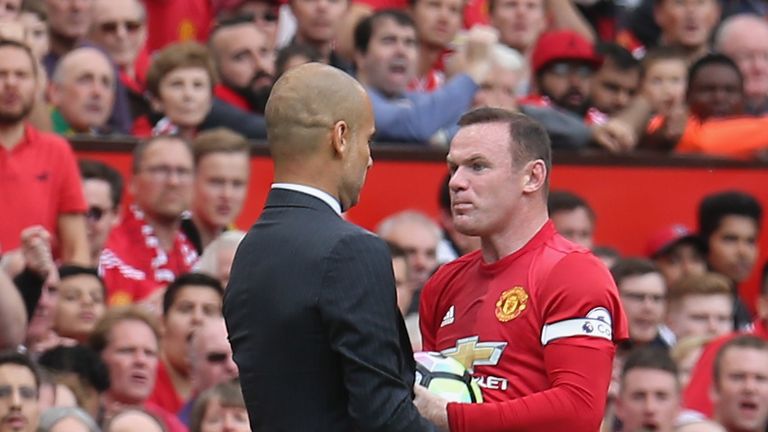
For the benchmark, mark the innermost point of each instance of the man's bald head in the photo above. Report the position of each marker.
(83, 89)
(81, 58)
(304, 105)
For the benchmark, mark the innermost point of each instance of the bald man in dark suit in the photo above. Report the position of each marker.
(311, 307)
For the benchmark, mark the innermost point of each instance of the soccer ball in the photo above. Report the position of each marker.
(446, 377)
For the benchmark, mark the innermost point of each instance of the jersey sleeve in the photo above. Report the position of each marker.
(581, 299)
(579, 377)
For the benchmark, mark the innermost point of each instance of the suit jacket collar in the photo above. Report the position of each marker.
(279, 197)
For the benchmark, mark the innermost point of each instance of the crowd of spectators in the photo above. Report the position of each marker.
(110, 308)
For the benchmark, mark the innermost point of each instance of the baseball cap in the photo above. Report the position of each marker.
(563, 45)
(666, 238)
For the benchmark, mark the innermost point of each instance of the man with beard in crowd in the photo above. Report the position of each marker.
(245, 63)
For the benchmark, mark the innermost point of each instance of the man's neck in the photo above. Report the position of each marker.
(324, 48)
(428, 56)
(11, 134)
(518, 232)
(61, 45)
(207, 232)
(179, 379)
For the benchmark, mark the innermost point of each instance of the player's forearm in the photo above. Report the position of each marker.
(575, 402)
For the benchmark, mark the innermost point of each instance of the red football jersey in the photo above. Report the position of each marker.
(499, 319)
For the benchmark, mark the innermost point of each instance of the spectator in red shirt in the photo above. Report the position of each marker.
(147, 250)
(437, 24)
(46, 188)
(245, 63)
(189, 301)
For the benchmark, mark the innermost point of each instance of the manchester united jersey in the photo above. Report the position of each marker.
(497, 319)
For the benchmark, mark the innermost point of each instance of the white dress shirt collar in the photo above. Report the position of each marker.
(315, 192)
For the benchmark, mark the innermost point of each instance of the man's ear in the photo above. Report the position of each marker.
(339, 137)
(536, 176)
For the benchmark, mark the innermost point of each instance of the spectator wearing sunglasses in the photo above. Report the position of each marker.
(190, 301)
(210, 361)
(103, 189)
(119, 27)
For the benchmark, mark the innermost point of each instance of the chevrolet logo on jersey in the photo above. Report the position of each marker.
(470, 352)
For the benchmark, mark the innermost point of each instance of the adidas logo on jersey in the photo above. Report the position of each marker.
(448, 318)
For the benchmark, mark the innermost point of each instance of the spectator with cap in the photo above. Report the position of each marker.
(120, 28)
(189, 301)
(437, 24)
(677, 252)
(82, 92)
(210, 360)
(245, 62)
(499, 88)
(563, 64)
(573, 217)
(103, 189)
(386, 58)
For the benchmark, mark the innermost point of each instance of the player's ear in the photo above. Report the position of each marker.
(535, 176)
(340, 137)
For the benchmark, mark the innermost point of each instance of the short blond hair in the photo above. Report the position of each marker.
(704, 284)
(102, 333)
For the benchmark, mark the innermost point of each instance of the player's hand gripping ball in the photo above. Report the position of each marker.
(446, 377)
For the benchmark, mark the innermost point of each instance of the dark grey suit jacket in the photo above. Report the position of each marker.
(314, 326)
